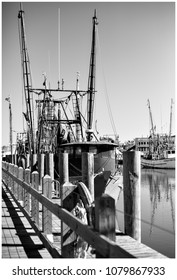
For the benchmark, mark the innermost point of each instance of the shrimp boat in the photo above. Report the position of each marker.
(162, 163)
(161, 155)
(161, 152)
(60, 130)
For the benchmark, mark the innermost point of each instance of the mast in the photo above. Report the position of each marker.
(10, 125)
(27, 81)
(170, 121)
(91, 81)
(152, 125)
(76, 107)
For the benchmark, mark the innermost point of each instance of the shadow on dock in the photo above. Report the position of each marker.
(19, 237)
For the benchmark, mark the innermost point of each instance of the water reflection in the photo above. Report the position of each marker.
(157, 210)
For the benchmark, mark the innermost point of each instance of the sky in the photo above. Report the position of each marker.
(135, 60)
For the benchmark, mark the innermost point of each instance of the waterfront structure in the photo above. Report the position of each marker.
(142, 144)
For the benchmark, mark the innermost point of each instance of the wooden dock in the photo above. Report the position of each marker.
(35, 225)
(19, 240)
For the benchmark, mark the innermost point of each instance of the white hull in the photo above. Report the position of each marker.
(166, 163)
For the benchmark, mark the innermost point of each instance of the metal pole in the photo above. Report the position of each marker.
(10, 125)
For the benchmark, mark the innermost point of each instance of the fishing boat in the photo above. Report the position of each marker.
(61, 125)
(162, 163)
(161, 152)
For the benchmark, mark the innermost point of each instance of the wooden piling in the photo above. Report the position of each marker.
(11, 181)
(3, 174)
(8, 180)
(15, 184)
(46, 214)
(105, 217)
(27, 160)
(49, 167)
(132, 193)
(34, 159)
(41, 167)
(69, 200)
(26, 193)
(10, 170)
(34, 202)
(20, 189)
(88, 171)
(63, 168)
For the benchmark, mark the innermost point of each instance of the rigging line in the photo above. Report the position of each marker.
(107, 95)
(67, 119)
(59, 44)
(32, 97)
(21, 75)
(145, 222)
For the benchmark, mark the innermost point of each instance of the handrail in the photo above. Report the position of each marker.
(102, 244)
(124, 246)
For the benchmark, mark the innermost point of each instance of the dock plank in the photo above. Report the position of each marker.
(18, 238)
(137, 249)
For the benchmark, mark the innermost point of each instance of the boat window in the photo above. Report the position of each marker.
(112, 154)
(68, 150)
(93, 150)
(71, 150)
(105, 154)
(78, 151)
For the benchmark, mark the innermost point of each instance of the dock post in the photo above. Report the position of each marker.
(105, 218)
(12, 181)
(68, 202)
(41, 167)
(49, 167)
(88, 171)
(34, 202)
(34, 159)
(46, 214)
(20, 189)
(15, 184)
(26, 193)
(10, 171)
(28, 160)
(132, 193)
(63, 168)
(8, 179)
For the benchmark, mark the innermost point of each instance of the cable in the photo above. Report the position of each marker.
(106, 95)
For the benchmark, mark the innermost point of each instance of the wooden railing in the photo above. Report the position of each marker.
(33, 194)
(30, 194)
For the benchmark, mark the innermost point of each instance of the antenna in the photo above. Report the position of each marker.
(59, 44)
(10, 124)
(170, 129)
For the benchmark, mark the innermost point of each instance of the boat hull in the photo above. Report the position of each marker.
(106, 179)
(166, 163)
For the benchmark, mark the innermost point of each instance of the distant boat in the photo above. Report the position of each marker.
(161, 152)
(163, 163)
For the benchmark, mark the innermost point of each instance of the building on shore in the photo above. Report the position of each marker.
(142, 143)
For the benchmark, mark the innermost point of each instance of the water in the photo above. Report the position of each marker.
(157, 210)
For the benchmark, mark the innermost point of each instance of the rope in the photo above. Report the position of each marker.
(158, 227)
(106, 92)
(21, 72)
